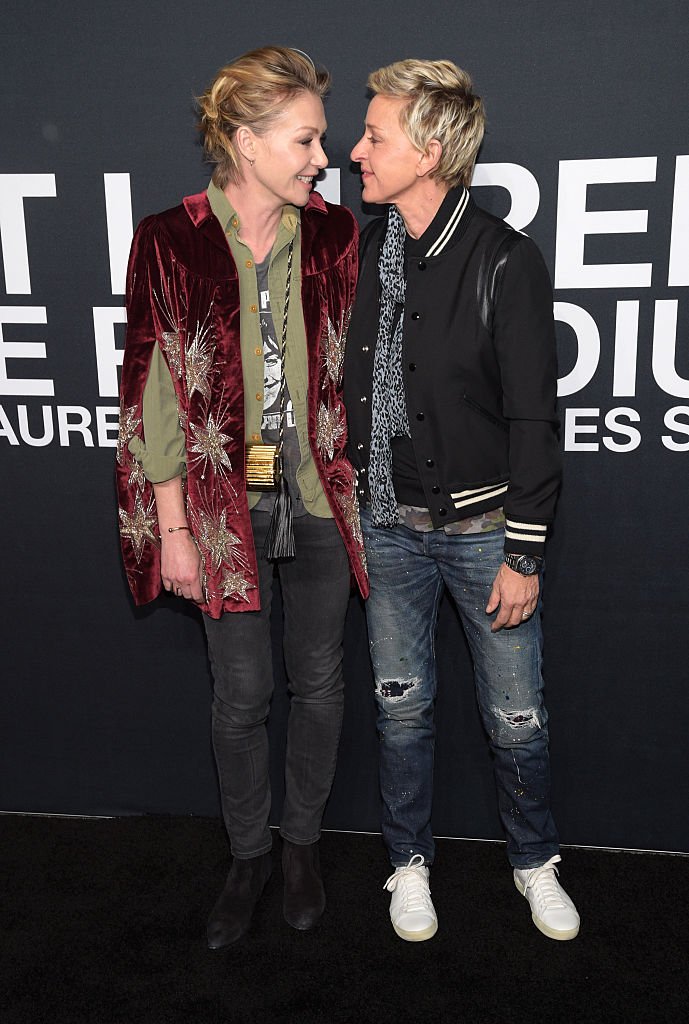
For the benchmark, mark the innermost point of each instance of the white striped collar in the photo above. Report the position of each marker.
(456, 211)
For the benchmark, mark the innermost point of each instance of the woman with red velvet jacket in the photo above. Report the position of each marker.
(238, 305)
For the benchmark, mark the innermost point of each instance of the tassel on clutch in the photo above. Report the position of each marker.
(279, 543)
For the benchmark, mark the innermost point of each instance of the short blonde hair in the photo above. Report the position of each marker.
(252, 91)
(441, 105)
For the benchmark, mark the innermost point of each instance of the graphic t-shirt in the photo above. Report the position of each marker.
(270, 424)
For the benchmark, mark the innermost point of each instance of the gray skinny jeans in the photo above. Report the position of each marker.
(315, 592)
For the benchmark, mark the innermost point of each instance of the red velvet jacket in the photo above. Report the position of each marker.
(183, 294)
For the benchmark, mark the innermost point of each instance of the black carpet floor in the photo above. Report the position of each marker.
(102, 921)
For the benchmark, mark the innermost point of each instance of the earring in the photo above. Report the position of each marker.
(251, 163)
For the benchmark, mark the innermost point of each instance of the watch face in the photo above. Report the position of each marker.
(525, 565)
(528, 566)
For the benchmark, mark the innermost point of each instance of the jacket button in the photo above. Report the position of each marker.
(259, 396)
(360, 447)
(412, 366)
(442, 511)
(430, 463)
(363, 398)
(416, 316)
(435, 490)
(420, 417)
(364, 348)
(422, 264)
(253, 308)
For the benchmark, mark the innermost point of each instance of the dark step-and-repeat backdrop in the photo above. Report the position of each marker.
(105, 709)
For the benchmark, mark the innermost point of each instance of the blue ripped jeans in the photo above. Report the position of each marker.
(408, 572)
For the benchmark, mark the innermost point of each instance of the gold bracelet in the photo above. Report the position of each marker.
(174, 529)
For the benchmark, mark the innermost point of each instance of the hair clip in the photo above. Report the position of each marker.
(304, 54)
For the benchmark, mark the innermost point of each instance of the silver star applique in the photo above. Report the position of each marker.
(198, 360)
(138, 527)
(128, 424)
(335, 346)
(171, 338)
(330, 429)
(214, 536)
(137, 477)
(234, 584)
(349, 503)
(173, 350)
(209, 446)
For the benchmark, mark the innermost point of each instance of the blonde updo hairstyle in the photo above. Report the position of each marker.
(441, 105)
(252, 91)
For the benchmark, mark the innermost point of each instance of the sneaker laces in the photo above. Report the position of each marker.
(413, 880)
(543, 882)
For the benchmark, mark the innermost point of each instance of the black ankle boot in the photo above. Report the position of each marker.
(231, 916)
(304, 896)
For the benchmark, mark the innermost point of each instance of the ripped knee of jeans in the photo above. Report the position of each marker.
(517, 724)
(395, 690)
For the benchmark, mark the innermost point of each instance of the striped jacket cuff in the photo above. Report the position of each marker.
(521, 534)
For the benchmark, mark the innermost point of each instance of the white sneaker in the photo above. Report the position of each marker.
(552, 910)
(411, 908)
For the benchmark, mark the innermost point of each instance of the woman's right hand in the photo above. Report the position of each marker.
(180, 565)
(181, 569)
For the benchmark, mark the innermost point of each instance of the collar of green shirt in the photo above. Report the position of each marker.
(229, 218)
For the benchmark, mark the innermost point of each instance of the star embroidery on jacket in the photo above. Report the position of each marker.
(349, 503)
(335, 346)
(128, 426)
(234, 584)
(210, 446)
(173, 350)
(137, 477)
(198, 361)
(138, 526)
(172, 338)
(330, 428)
(214, 536)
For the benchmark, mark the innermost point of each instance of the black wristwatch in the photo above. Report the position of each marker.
(525, 565)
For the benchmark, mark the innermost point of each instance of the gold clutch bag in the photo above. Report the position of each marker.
(262, 467)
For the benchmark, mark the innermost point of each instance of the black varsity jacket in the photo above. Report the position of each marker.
(479, 366)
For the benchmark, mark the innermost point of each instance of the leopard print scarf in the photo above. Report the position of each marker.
(389, 407)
